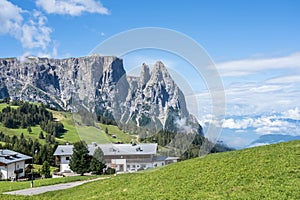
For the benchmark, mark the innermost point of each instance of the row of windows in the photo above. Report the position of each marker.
(137, 166)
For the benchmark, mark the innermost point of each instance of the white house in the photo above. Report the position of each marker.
(12, 164)
(122, 157)
(128, 157)
(159, 161)
(63, 155)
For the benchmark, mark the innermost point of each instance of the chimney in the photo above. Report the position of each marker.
(94, 144)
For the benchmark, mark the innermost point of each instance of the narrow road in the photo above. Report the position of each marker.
(43, 189)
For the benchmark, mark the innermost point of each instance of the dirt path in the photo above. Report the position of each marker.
(43, 189)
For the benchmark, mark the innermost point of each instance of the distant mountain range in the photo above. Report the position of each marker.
(272, 139)
(99, 84)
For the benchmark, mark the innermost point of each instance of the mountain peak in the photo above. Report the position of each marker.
(160, 73)
(100, 84)
(159, 65)
(145, 74)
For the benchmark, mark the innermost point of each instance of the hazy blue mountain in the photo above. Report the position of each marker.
(272, 139)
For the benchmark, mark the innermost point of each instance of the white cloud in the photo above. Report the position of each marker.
(237, 124)
(266, 88)
(292, 114)
(30, 27)
(10, 18)
(251, 66)
(35, 34)
(235, 142)
(284, 79)
(274, 124)
(254, 98)
(272, 87)
(31, 32)
(270, 130)
(262, 97)
(240, 131)
(72, 7)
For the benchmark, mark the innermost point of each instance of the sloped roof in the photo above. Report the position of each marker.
(128, 149)
(159, 158)
(111, 149)
(9, 156)
(63, 150)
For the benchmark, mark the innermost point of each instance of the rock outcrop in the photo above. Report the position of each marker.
(99, 84)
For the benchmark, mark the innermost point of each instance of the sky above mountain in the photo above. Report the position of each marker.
(255, 45)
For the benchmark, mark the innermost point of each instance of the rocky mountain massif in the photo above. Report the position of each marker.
(99, 84)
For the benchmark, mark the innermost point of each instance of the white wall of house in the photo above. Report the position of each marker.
(11, 168)
(64, 163)
(21, 165)
(149, 165)
(65, 159)
(119, 164)
(3, 172)
(8, 171)
(65, 168)
(136, 166)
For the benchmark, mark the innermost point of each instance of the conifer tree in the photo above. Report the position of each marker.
(46, 170)
(80, 161)
(97, 162)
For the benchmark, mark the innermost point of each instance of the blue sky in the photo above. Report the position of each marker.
(255, 45)
(227, 30)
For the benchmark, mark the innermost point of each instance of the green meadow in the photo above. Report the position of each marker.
(267, 172)
(73, 133)
(6, 186)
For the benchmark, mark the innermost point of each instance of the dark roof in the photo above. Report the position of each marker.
(159, 158)
(9, 156)
(111, 149)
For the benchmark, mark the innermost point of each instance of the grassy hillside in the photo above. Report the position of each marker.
(34, 135)
(73, 133)
(267, 172)
(89, 133)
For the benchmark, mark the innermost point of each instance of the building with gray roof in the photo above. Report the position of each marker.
(122, 157)
(12, 164)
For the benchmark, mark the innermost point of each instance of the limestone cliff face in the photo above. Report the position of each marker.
(98, 84)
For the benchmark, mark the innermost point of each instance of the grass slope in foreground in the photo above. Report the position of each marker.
(267, 172)
(6, 186)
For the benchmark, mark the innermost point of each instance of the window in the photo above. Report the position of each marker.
(137, 166)
(133, 166)
(128, 166)
(67, 158)
(18, 166)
